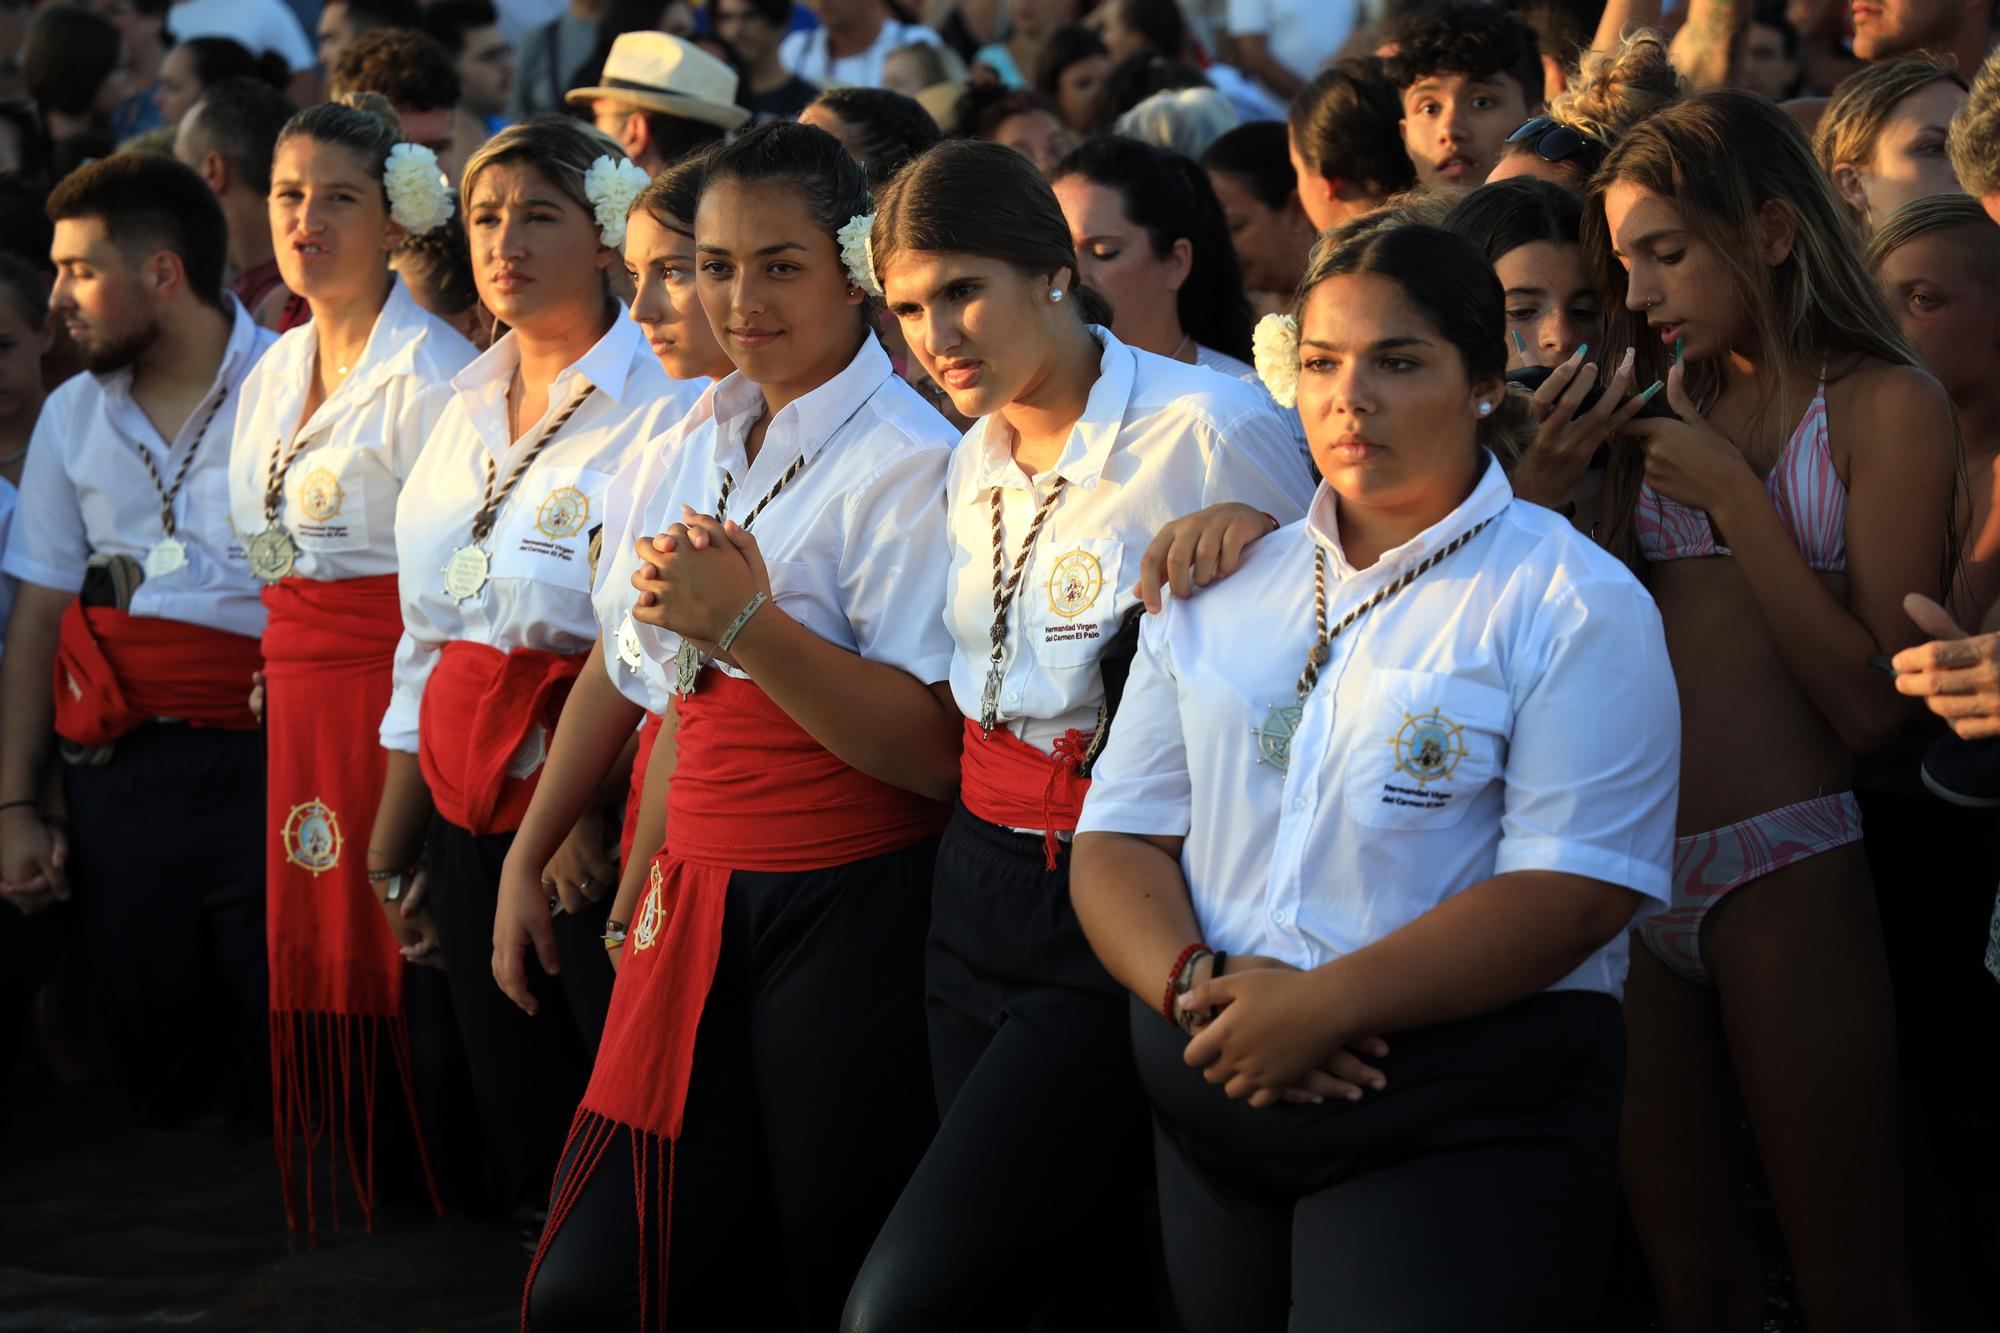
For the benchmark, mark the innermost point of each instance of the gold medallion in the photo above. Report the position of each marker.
(272, 554)
(312, 837)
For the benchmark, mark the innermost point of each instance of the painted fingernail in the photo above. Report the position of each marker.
(1680, 351)
(1520, 343)
(1655, 387)
(1582, 350)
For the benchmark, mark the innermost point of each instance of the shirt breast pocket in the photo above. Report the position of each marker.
(544, 533)
(1069, 600)
(808, 596)
(327, 492)
(1423, 745)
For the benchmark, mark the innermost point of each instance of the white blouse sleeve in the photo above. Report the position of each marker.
(893, 563)
(1593, 762)
(1255, 460)
(1140, 783)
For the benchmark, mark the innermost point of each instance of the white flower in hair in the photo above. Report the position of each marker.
(857, 251)
(611, 187)
(1275, 348)
(419, 195)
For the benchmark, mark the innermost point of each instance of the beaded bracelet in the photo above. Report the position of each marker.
(1174, 987)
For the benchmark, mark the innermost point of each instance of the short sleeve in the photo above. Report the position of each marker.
(894, 555)
(1255, 460)
(1593, 764)
(1140, 784)
(415, 660)
(48, 544)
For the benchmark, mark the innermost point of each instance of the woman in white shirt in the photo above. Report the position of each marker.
(331, 422)
(493, 549)
(1083, 446)
(767, 1024)
(620, 688)
(1407, 774)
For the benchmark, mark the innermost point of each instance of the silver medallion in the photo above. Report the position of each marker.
(272, 554)
(630, 651)
(989, 700)
(687, 668)
(165, 556)
(465, 574)
(1274, 736)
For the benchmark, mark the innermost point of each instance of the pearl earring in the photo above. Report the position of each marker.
(1055, 293)
(1485, 409)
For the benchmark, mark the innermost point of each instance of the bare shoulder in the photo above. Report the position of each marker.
(1880, 410)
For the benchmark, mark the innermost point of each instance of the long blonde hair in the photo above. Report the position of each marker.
(1722, 157)
(1862, 104)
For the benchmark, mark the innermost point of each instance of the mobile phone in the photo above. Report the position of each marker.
(1532, 378)
(1881, 662)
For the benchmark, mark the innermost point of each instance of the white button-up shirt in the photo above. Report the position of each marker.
(855, 543)
(538, 592)
(85, 492)
(340, 490)
(805, 54)
(1512, 709)
(1157, 439)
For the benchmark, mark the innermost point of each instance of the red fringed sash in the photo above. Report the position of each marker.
(479, 705)
(751, 791)
(649, 732)
(1004, 780)
(115, 671)
(336, 976)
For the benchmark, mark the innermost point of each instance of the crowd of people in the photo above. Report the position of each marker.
(1008, 663)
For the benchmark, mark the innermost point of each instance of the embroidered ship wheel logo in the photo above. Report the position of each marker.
(312, 837)
(564, 513)
(320, 495)
(1074, 583)
(1428, 746)
(646, 931)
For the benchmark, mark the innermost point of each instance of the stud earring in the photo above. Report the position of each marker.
(1485, 409)
(1055, 293)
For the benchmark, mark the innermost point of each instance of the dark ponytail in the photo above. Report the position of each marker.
(981, 198)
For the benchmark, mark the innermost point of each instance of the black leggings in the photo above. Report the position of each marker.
(1033, 1196)
(1476, 1193)
(809, 1103)
(527, 1073)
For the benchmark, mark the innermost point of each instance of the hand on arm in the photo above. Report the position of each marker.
(1194, 551)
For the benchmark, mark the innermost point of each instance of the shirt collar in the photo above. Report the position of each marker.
(607, 365)
(391, 348)
(1091, 440)
(1490, 494)
(809, 421)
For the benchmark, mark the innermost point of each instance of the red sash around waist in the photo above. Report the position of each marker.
(751, 791)
(336, 975)
(649, 733)
(115, 671)
(1004, 780)
(479, 705)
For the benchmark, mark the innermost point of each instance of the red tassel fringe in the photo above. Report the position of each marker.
(316, 1059)
(590, 1136)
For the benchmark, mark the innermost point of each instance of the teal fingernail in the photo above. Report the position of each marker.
(1680, 350)
(1582, 350)
(1520, 343)
(1647, 396)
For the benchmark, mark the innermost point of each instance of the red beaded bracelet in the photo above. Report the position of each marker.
(1167, 1001)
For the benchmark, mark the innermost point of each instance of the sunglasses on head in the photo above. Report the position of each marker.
(1553, 141)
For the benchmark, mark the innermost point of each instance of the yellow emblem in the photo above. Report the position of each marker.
(1074, 582)
(1428, 746)
(564, 513)
(312, 837)
(320, 495)
(646, 930)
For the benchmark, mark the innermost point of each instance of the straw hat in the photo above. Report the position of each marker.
(660, 72)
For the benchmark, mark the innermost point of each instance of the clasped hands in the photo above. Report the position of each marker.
(1271, 1040)
(695, 577)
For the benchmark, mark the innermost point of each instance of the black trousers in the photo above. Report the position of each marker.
(1477, 1192)
(809, 1104)
(167, 864)
(527, 1073)
(1032, 1201)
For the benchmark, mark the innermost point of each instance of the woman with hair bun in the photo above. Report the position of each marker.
(333, 418)
(1610, 91)
(1083, 446)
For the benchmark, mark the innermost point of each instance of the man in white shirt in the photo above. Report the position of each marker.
(1284, 42)
(125, 502)
(848, 47)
